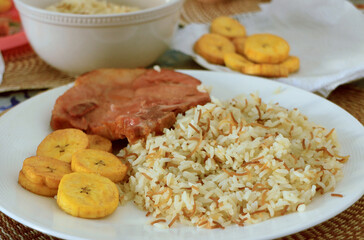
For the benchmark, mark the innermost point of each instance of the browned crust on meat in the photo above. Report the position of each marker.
(132, 103)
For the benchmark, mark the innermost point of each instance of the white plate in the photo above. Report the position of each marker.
(23, 128)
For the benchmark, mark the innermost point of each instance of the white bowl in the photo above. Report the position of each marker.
(76, 43)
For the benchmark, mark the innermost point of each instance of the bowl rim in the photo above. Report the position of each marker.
(143, 15)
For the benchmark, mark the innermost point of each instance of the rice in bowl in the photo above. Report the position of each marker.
(90, 7)
(232, 162)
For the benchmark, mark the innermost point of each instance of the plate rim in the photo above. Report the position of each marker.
(63, 88)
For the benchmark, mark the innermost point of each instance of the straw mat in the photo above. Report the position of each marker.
(25, 70)
(199, 12)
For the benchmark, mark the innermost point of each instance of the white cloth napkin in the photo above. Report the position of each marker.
(2, 68)
(327, 36)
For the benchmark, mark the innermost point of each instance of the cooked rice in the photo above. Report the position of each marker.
(240, 161)
(90, 7)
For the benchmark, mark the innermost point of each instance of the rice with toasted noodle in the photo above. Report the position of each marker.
(90, 7)
(240, 161)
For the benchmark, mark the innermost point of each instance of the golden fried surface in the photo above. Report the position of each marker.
(61, 144)
(212, 47)
(266, 48)
(227, 27)
(87, 195)
(96, 161)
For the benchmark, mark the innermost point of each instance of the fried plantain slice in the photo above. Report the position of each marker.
(265, 70)
(212, 47)
(96, 161)
(45, 170)
(235, 61)
(227, 27)
(61, 144)
(99, 142)
(266, 48)
(239, 43)
(87, 195)
(36, 188)
(292, 63)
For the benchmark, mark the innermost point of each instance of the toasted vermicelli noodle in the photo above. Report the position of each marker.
(90, 7)
(232, 162)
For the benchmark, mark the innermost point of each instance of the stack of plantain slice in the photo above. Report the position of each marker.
(262, 54)
(79, 169)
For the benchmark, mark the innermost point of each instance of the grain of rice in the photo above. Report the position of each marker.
(157, 221)
(336, 195)
(301, 207)
(173, 220)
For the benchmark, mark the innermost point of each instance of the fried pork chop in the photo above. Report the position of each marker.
(126, 103)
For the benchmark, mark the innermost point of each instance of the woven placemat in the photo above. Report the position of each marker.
(351, 98)
(25, 70)
(198, 12)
